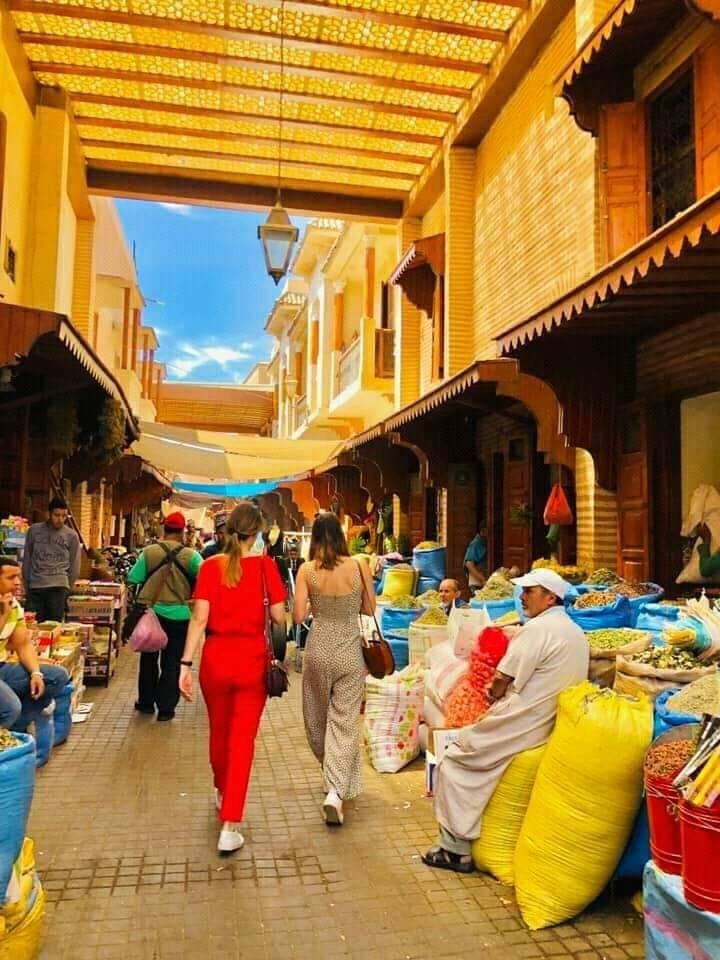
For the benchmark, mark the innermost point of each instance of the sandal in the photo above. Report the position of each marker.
(446, 860)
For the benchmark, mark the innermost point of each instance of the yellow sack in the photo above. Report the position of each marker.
(494, 850)
(586, 796)
(20, 888)
(400, 582)
(24, 941)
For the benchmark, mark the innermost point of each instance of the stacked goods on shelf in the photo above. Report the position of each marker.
(583, 805)
(23, 908)
(13, 532)
(101, 605)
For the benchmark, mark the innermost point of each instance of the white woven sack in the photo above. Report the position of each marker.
(422, 638)
(393, 711)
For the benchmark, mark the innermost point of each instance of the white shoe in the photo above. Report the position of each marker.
(218, 799)
(230, 838)
(333, 809)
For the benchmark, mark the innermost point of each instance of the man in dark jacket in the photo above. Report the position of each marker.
(166, 574)
(218, 545)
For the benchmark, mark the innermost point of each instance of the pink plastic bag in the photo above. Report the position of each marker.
(148, 636)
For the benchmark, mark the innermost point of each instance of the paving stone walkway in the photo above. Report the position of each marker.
(125, 829)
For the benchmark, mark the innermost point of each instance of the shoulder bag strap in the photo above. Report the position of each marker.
(162, 581)
(367, 595)
(266, 606)
(173, 558)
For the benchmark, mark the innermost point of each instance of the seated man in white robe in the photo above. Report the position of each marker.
(545, 657)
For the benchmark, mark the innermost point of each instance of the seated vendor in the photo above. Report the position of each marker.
(26, 687)
(709, 562)
(545, 657)
(450, 595)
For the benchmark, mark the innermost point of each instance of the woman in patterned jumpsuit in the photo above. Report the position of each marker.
(338, 589)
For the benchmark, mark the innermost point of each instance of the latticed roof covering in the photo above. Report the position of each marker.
(192, 87)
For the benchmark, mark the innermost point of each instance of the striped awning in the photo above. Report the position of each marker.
(669, 276)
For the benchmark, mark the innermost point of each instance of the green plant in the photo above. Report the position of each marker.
(62, 425)
(108, 441)
(521, 513)
(358, 545)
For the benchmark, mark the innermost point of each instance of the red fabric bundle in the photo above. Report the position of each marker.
(468, 701)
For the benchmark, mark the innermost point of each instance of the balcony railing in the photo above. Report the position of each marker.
(301, 413)
(348, 370)
(385, 353)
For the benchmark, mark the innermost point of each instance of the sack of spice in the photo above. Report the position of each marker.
(609, 644)
(598, 610)
(494, 850)
(656, 670)
(586, 795)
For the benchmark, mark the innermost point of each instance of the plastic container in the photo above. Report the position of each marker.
(495, 608)
(663, 806)
(431, 563)
(401, 650)
(700, 837)
(399, 582)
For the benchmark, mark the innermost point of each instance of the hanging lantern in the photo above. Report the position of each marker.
(278, 237)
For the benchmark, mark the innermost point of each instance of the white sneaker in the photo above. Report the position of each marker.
(218, 799)
(230, 838)
(333, 809)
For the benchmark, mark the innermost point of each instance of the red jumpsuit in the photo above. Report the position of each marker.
(232, 670)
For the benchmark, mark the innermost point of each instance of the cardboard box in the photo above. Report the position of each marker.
(441, 740)
(430, 766)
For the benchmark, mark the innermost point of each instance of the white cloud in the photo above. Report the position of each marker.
(192, 357)
(181, 209)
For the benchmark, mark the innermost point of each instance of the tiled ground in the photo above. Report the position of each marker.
(125, 830)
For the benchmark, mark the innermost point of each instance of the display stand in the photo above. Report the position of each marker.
(106, 615)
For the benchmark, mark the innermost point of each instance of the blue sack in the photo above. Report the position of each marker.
(431, 563)
(44, 735)
(62, 717)
(17, 782)
(397, 618)
(578, 589)
(427, 583)
(637, 852)
(638, 604)
(669, 718)
(401, 650)
(656, 616)
(495, 608)
(616, 614)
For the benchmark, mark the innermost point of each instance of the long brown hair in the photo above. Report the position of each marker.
(244, 523)
(327, 541)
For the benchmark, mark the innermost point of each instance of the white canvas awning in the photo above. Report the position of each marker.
(230, 456)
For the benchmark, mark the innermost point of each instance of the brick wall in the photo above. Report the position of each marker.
(460, 220)
(534, 202)
(407, 349)
(83, 302)
(596, 517)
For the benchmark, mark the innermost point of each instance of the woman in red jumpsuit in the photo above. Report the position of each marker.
(229, 609)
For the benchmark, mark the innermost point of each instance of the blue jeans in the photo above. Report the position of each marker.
(17, 707)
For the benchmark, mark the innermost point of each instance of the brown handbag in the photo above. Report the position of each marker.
(276, 675)
(377, 652)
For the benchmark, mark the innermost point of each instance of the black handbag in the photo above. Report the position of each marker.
(276, 675)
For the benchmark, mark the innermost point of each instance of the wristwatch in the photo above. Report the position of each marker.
(37, 673)
(186, 663)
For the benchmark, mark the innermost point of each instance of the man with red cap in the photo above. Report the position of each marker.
(165, 573)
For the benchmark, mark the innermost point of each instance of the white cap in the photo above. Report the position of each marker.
(544, 578)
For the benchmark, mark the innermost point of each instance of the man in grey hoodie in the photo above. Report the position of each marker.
(51, 563)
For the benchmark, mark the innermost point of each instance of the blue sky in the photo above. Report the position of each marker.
(202, 273)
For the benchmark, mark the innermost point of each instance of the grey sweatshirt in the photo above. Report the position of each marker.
(51, 558)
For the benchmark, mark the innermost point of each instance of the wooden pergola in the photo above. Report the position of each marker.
(183, 98)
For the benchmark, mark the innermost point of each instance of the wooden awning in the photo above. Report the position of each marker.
(672, 275)
(602, 70)
(418, 271)
(21, 331)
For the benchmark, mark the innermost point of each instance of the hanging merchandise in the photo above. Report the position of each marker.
(557, 509)
(586, 796)
(494, 850)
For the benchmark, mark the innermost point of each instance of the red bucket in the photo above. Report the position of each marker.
(664, 818)
(700, 831)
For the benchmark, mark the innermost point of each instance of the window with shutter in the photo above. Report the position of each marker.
(623, 178)
(672, 149)
(707, 117)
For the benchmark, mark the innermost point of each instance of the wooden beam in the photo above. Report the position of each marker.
(224, 135)
(267, 65)
(262, 91)
(182, 189)
(230, 115)
(238, 158)
(229, 33)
